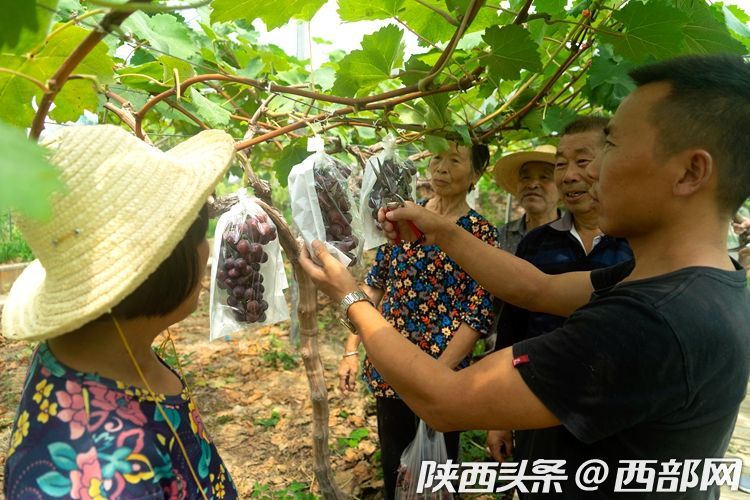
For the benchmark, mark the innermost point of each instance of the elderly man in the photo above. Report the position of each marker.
(572, 243)
(529, 177)
(655, 363)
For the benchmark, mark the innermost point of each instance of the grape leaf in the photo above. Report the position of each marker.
(290, 156)
(550, 121)
(607, 79)
(156, 76)
(213, 114)
(273, 14)
(651, 30)
(24, 24)
(356, 10)
(731, 15)
(362, 69)
(16, 92)
(414, 70)
(555, 8)
(163, 32)
(704, 33)
(436, 144)
(512, 50)
(27, 179)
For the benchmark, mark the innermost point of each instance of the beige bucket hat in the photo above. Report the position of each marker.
(508, 167)
(126, 206)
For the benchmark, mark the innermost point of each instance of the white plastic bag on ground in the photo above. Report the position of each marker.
(401, 173)
(323, 207)
(247, 275)
(428, 445)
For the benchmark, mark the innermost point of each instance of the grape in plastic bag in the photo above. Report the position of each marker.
(247, 276)
(323, 208)
(428, 445)
(401, 177)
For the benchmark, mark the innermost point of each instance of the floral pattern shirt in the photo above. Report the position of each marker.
(426, 296)
(79, 435)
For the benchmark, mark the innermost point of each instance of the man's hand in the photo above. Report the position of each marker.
(500, 444)
(331, 277)
(395, 224)
(348, 373)
(741, 227)
(744, 257)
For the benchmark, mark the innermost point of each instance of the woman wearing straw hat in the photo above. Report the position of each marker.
(120, 260)
(429, 299)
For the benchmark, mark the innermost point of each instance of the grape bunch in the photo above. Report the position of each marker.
(333, 199)
(239, 267)
(400, 173)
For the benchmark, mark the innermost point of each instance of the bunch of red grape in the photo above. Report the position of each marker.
(239, 267)
(331, 188)
(400, 173)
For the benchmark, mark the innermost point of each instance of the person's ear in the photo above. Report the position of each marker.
(697, 167)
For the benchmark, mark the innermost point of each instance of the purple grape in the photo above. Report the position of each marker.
(243, 247)
(228, 264)
(253, 307)
(250, 294)
(231, 301)
(255, 252)
(264, 257)
(234, 273)
(238, 291)
(262, 318)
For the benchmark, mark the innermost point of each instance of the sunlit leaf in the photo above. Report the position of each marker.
(214, 115)
(164, 32)
(512, 50)
(364, 68)
(27, 179)
(273, 14)
(357, 10)
(24, 24)
(16, 92)
(651, 30)
(704, 33)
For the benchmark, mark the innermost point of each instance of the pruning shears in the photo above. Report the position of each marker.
(392, 200)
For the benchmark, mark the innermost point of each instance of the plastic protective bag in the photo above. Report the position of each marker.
(428, 445)
(401, 174)
(323, 207)
(248, 277)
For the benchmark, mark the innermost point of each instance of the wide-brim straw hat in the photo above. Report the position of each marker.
(125, 207)
(508, 167)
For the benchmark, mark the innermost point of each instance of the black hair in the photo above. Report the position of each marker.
(586, 124)
(708, 106)
(480, 158)
(173, 281)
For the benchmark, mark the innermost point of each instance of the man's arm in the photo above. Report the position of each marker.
(488, 395)
(504, 275)
(460, 346)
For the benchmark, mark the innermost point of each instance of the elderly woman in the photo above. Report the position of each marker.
(429, 299)
(101, 415)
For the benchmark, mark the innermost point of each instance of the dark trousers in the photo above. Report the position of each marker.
(397, 427)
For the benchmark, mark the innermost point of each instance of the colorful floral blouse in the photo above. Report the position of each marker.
(78, 435)
(427, 296)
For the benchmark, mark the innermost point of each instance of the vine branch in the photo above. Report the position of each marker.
(58, 80)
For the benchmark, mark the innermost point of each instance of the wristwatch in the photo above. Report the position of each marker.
(346, 303)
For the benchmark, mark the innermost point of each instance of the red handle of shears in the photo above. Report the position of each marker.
(414, 229)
